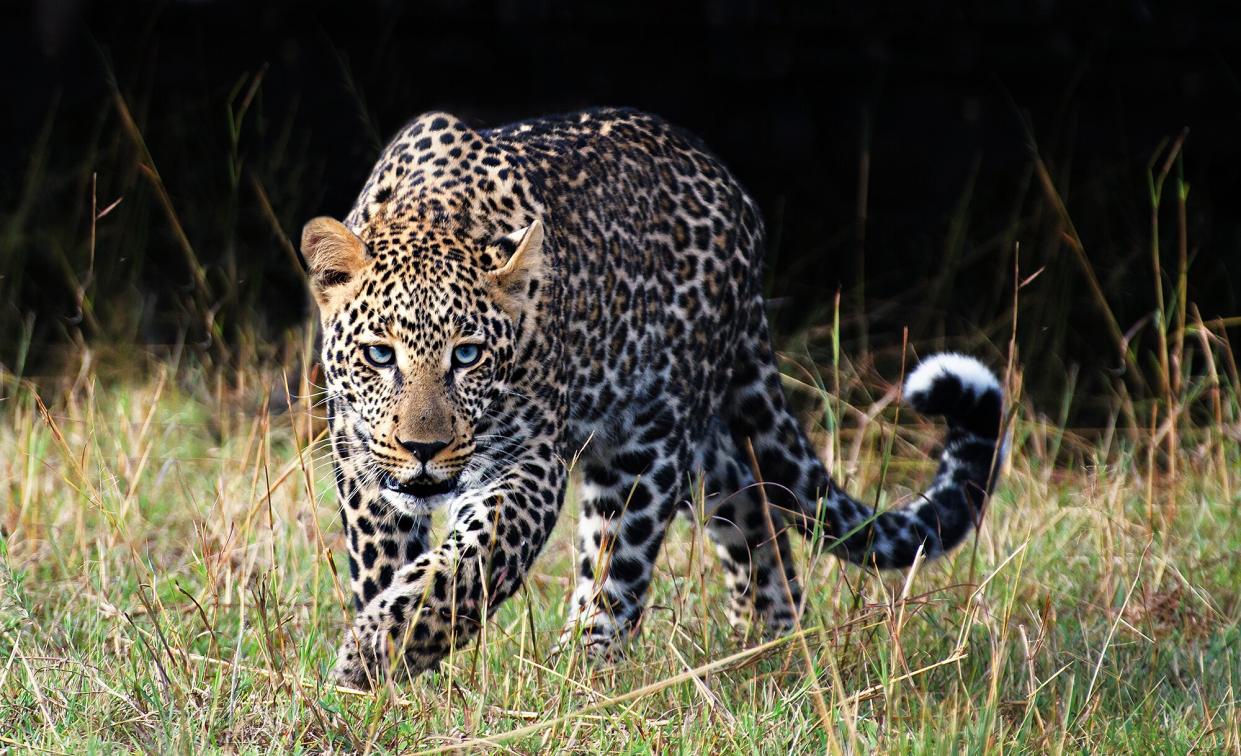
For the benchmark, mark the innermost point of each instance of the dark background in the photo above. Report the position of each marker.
(942, 108)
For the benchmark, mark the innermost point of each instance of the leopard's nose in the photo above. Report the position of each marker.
(423, 451)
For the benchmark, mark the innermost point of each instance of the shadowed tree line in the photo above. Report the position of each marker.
(917, 162)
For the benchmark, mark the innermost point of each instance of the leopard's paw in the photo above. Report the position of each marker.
(358, 664)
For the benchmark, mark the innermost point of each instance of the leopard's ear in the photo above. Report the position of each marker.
(334, 257)
(516, 280)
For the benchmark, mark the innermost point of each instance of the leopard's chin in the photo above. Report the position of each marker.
(422, 494)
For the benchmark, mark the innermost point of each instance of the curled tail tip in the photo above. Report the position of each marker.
(960, 388)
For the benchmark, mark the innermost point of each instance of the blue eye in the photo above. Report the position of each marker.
(465, 355)
(379, 355)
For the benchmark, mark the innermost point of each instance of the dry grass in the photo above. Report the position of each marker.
(168, 585)
(168, 537)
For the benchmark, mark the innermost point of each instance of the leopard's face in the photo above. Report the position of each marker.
(417, 352)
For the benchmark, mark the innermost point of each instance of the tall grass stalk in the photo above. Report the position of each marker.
(170, 581)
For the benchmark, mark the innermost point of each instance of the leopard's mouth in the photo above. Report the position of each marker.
(421, 487)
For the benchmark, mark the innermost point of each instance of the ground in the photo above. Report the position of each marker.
(167, 583)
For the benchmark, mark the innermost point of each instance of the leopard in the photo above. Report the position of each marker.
(582, 294)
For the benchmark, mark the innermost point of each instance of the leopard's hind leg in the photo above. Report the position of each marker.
(752, 547)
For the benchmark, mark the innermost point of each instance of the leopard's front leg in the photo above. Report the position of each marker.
(380, 541)
(440, 600)
(434, 604)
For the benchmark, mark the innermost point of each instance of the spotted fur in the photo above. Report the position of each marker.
(607, 269)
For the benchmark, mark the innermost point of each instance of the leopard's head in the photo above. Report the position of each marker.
(419, 329)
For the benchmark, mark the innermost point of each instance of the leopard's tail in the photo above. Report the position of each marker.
(969, 397)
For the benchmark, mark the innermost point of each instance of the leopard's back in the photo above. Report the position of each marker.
(659, 251)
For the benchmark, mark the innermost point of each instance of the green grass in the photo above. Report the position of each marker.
(166, 584)
(167, 534)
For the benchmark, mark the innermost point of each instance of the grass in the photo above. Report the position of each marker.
(169, 544)
(169, 583)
